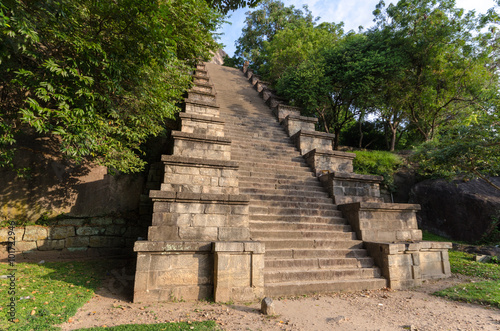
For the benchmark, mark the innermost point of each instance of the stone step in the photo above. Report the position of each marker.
(287, 181)
(291, 193)
(311, 287)
(290, 198)
(310, 187)
(272, 164)
(312, 244)
(298, 219)
(332, 235)
(294, 226)
(264, 147)
(280, 276)
(278, 137)
(297, 205)
(274, 175)
(258, 157)
(314, 263)
(261, 210)
(315, 253)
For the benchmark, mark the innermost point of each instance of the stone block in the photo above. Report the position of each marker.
(34, 233)
(89, 231)
(306, 141)
(208, 220)
(254, 247)
(267, 306)
(79, 241)
(217, 209)
(294, 124)
(61, 232)
(50, 245)
(5, 233)
(25, 246)
(220, 246)
(233, 233)
(163, 233)
(198, 233)
(283, 111)
(115, 230)
(101, 221)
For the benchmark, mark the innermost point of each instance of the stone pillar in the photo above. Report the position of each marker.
(306, 141)
(282, 111)
(407, 265)
(348, 187)
(324, 161)
(238, 271)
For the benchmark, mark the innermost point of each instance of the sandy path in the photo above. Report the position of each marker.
(372, 310)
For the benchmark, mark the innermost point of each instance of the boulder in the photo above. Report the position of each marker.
(459, 210)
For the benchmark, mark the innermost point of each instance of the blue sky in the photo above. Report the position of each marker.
(352, 12)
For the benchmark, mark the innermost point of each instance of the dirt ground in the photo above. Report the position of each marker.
(371, 310)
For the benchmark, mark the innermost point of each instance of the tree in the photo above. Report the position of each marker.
(337, 83)
(470, 148)
(294, 44)
(224, 6)
(263, 24)
(98, 77)
(448, 61)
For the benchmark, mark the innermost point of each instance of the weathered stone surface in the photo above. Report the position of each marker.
(34, 233)
(458, 210)
(267, 306)
(49, 245)
(79, 241)
(89, 231)
(61, 232)
(17, 233)
(24, 246)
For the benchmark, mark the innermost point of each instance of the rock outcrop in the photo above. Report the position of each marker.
(458, 210)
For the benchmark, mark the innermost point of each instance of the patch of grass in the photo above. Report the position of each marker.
(487, 292)
(197, 326)
(483, 292)
(464, 264)
(426, 235)
(48, 294)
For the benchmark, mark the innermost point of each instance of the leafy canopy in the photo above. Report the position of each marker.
(99, 77)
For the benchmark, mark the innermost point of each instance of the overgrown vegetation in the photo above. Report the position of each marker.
(98, 77)
(379, 163)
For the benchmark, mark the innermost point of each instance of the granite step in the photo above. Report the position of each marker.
(320, 263)
(294, 226)
(315, 253)
(262, 210)
(312, 244)
(281, 276)
(312, 287)
(304, 234)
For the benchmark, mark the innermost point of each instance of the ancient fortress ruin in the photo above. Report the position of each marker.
(254, 202)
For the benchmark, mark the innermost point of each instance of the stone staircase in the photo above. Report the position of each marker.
(309, 245)
(254, 202)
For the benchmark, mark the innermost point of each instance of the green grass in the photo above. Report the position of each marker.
(485, 292)
(197, 326)
(56, 290)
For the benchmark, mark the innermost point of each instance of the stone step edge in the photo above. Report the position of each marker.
(158, 195)
(190, 161)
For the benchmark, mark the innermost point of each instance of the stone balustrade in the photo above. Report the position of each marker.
(294, 123)
(307, 141)
(348, 187)
(324, 161)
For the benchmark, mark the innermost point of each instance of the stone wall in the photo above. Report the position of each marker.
(75, 238)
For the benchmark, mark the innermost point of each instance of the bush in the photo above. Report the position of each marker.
(378, 163)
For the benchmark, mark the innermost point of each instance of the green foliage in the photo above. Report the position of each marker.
(101, 77)
(378, 163)
(197, 326)
(233, 62)
(56, 289)
(449, 61)
(470, 148)
(492, 234)
(224, 6)
(263, 24)
(295, 44)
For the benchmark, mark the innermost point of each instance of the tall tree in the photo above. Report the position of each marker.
(98, 77)
(263, 24)
(449, 59)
